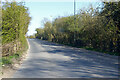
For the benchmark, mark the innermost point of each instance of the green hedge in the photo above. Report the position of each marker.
(15, 21)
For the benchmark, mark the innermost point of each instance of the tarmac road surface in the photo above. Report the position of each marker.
(50, 60)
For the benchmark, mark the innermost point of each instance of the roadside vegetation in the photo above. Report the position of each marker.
(31, 36)
(15, 21)
(94, 29)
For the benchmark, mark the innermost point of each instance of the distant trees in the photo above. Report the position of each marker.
(92, 28)
(15, 21)
(31, 36)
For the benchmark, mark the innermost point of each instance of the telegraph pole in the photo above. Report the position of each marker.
(74, 19)
(74, 7)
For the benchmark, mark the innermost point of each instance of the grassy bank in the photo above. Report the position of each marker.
(9, 60)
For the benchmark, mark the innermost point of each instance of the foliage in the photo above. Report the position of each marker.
(31, 36)
(15, 21)
(8, 59)
(93, 28)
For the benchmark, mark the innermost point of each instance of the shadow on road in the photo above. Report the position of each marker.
(50, 60)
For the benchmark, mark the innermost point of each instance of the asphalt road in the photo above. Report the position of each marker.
(50, 60)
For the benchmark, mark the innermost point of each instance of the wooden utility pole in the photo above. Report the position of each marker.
(74, 19)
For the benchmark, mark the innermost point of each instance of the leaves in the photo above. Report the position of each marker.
(90, 28)
(15, 21)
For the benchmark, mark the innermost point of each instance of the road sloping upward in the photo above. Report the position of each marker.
(50, 60)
